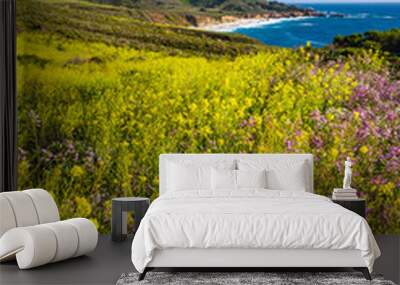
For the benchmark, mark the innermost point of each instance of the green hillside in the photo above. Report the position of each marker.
(121, 26)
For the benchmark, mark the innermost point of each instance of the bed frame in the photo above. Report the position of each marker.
(244, 259)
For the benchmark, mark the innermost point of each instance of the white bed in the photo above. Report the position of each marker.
(250, 227)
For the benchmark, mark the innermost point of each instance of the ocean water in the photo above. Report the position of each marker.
(321, 31)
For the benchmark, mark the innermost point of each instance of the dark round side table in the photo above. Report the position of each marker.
(120, 207)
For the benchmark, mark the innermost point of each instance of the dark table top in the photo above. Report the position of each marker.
(349, 200)
(130, 199)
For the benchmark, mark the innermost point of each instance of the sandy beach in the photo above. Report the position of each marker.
(247, 23)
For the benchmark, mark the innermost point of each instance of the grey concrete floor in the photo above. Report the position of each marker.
(389, 263)
(103, 266)
(111, 259)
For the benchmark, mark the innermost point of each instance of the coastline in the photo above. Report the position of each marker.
(245, 23)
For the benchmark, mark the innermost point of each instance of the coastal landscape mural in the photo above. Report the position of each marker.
(105, 86)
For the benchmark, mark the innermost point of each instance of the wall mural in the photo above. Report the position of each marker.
(104, 87)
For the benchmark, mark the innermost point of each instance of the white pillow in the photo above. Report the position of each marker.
(188, 177)
(251, 178)
(291, 175)
(223, 179)
(293, 180)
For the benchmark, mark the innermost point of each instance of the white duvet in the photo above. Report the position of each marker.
(250, 219)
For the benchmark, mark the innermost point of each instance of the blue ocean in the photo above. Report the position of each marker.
(358, 18)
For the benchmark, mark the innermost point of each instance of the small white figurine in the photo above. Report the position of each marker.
(347, 174)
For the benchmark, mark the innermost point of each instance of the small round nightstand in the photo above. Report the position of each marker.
(356, 205)
(120, 207)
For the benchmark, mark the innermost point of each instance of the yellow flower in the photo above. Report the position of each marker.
(387, 188)
(334, 152)
(364, 149)
(83, 207)
(330, 117)
(356, 115)
(192, 107)
(142, 178)
(207, 130)
(77, 171)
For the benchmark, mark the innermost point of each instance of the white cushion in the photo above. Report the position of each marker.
(32, 246)
(169, 175)
(251, 178)
(40, 244)
(26, 208)
(290, 175)
(87, 234)
(188, 177)
(7, 218)
(223, 179)
(67, 240)
(23, 208)
(45, 206)
(230, 180)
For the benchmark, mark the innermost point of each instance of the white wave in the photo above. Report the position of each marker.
(248, 24)
(307, 24)
(357, 16)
